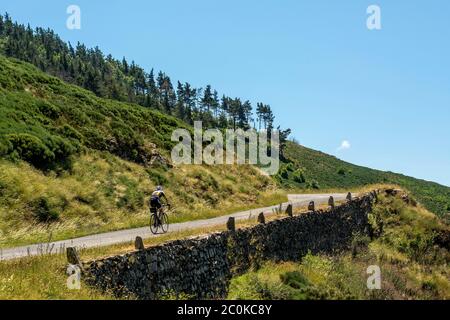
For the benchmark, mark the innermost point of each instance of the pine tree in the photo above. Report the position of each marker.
(190, 98)
(2, 28)
(215, 103)
(124, 66)
(245, 115)
(180, 110)
(123, 81)
(207, 99)
(268, 118)
(234, 109)
(152, 91)
(259, 114)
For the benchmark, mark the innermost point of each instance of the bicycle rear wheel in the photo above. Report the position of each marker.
(164, 222)
(154, 224)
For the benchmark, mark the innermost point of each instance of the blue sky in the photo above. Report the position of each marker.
(325, 74)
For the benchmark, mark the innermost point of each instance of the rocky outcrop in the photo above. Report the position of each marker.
(202, 267)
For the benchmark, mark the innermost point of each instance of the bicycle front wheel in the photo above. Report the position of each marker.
(164, 222)
(154, 224)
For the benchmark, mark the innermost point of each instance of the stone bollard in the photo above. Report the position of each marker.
(231, 224)
(139, 244)
(289, 210)
(312, 206)
(73, 257)
(331, 202)
(349, 196)
(261, 218)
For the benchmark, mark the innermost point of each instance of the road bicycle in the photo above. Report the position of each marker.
(159, 219)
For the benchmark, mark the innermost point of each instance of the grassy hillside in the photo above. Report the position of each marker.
(72, 163)
(43, 277)
(412, 252)
(306, 168)
(410, 247)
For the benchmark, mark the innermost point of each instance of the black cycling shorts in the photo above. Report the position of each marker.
(155, 203)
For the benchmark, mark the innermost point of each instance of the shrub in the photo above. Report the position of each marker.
(49, 110)
(95, 139)
(313, 184)
(294, 279)
(31, 149)
(212, 182)
(267, 290)
(43, 211)
(5, 146)
(2, 188)
(284, 172)
(41, 154)
(61, 148)
(299, 176)
(206, 186)
(290, 167)
(376, 224)
(211, 198)
(69, 132)
(90, 199)
(306, 290)
(341, 172)
(417, 246)
(157, 176)
(359, 243)
(429, 285)
(133, 198)
(127, 142)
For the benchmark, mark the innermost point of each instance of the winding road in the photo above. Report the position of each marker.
(125, 236)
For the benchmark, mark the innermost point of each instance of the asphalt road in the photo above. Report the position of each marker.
(124, 236)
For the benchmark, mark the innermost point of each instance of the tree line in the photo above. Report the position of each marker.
(121, 80)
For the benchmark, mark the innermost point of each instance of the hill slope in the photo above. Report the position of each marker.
(409, 245)
(72, 163)
(319, 170)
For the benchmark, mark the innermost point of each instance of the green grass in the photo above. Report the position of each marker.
(44, 277)
(414, 265)
(329, 172)
(41, 278)
(408, 271)
(105, 193)
(44, 121)
(73, 164)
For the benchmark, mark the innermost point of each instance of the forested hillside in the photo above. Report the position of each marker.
(306, 168)
(81, 150)
(125, 81)
(409, 244)
(72, 163)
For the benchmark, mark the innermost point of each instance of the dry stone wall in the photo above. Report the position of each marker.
(202, 267)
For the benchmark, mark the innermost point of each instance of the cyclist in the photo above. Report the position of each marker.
(155, 200)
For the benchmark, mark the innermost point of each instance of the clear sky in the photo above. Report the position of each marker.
(327, 77)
